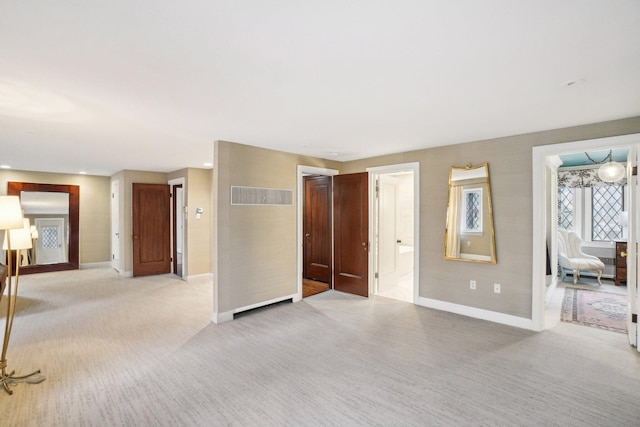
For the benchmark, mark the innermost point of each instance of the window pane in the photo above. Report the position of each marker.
(472, 210)
(607, 205)
(566, 210)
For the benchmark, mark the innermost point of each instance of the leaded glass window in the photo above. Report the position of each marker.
(607, 203)
(49, 237)
(566, 208)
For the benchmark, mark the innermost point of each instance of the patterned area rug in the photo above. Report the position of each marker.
(596, 309)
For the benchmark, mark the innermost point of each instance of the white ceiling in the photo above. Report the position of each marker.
(112, 85)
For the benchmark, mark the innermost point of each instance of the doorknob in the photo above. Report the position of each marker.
(308, 235)
(623, 254)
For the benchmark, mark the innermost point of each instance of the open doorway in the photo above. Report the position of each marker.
(177, 227)
(547, 207)
(317, 228)
(394, 210)
(317, 281)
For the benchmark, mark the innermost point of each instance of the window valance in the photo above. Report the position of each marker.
(582, 178)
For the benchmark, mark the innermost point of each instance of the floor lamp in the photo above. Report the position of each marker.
(17, 236)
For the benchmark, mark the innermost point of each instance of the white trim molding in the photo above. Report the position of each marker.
(227, 316)
(477, 313)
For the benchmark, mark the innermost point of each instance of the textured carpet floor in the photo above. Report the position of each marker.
(596, 309)
(142, 352)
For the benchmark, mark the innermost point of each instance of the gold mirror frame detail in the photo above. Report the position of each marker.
(15, 188)
(469, 232)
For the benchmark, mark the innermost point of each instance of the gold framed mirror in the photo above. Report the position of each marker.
(469, 233)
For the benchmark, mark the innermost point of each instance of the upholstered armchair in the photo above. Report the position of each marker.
(570, 256)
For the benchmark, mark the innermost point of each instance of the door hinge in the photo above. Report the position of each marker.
(170, 195)
(634, 171)
(375, 275)
(634, 318)
(377, 188)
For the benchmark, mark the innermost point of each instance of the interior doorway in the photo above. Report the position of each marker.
(545, 222)
(313, 279)
(178, 250)
(316, 228)
(394, 210)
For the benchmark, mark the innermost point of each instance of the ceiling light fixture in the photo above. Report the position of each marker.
(611, 171)
(5, 167)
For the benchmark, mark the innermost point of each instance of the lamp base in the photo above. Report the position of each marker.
(10, 379)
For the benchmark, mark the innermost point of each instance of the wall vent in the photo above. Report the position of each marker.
(261, 196)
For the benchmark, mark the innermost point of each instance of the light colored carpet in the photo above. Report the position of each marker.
(142, 352)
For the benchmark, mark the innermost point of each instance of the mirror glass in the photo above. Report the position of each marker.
(53, 213)
(469, 234)
(48, 215)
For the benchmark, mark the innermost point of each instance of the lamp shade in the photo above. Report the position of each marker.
(20, 237)
(10, 213)
(611, 172)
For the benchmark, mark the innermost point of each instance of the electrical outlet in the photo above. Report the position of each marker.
(472, 284)
(496, 288)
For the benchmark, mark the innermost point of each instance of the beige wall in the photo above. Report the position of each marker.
(254, 247)
(197, 236)
(510, 171)
(199, 230)
(95, 208)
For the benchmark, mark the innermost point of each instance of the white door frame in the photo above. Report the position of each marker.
(540, 154)
(373, 255)
(172, 182)
(302, 171)
(115, 225)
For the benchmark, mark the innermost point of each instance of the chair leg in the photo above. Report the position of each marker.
(576, 275)
(599, 276)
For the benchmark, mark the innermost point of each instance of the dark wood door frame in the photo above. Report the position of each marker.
(317, 228)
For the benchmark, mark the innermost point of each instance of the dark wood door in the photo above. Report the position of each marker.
(151, 229)
(317, 228)
(351, 235)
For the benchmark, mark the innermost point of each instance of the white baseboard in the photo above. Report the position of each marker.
(478, 313)
(125, 274)
(227, 316)
(218, 318)
(95, 265)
